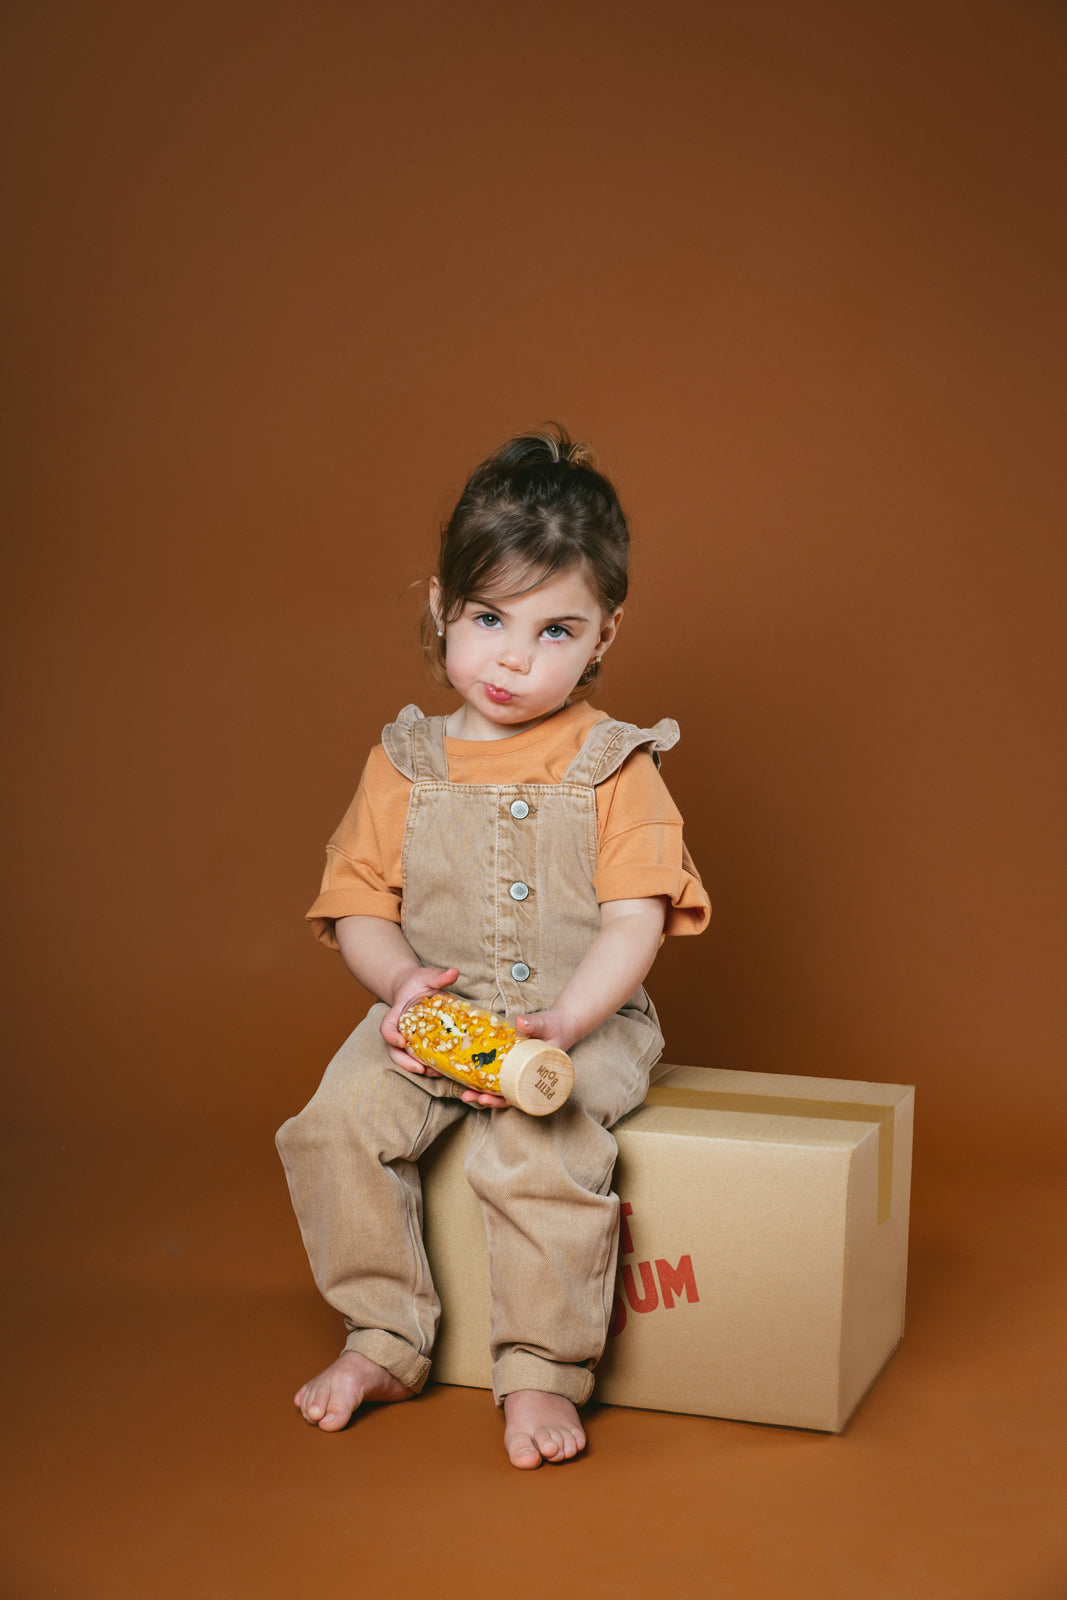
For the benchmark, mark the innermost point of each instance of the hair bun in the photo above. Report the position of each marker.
(549, 447)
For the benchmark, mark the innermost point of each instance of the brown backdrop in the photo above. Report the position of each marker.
(281, 274)
(277, 275)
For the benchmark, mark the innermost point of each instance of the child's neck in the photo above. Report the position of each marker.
(464, 724)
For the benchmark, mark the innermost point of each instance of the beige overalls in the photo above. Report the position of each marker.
(497, 881)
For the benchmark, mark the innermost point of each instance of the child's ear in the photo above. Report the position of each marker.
(435, 603)
(609, 630)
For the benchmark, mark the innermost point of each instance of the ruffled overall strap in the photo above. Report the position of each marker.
(416, 745)
(610, 742)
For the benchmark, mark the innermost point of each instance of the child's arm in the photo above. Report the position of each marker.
(615, 965)
(380, 958)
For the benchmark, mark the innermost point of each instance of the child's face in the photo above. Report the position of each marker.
(515, 658)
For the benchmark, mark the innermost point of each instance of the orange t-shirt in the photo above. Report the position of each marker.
(640, 849)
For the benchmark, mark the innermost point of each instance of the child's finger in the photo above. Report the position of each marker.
(409, 1063)
(480, 1097)
(441, 977)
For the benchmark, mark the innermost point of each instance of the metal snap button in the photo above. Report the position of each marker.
(520, 972)
(518, 891)
(519, 809)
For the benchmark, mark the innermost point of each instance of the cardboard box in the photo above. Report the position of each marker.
(763, 1251)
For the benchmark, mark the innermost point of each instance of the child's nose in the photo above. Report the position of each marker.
(515, 659)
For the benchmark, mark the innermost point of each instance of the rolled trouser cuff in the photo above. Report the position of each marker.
(397, 1357)
(519, 1369)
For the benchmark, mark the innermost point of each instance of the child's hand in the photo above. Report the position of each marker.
(416, 983)
(551, 1027)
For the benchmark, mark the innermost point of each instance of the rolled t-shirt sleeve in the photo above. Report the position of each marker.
(361, 877)
(641, 849)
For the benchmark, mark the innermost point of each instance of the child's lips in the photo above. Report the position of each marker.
(499, 697)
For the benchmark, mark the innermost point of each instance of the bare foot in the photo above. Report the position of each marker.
(329, 1400)
(541, 1427)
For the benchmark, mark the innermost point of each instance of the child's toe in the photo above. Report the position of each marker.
(549, 1442)
(522, 1451)
(328, 1411)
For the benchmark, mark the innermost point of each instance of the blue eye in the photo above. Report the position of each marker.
(488, 619)
(556, 630)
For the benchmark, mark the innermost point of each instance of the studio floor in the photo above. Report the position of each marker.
(160, 1317)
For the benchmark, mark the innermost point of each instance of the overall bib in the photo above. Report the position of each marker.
(497, 881)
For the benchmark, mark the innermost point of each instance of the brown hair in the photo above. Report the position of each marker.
(537, 507)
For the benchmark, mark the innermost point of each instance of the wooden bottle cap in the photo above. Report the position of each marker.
(536, 1077)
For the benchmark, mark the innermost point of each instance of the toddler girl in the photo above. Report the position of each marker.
(522, 852)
